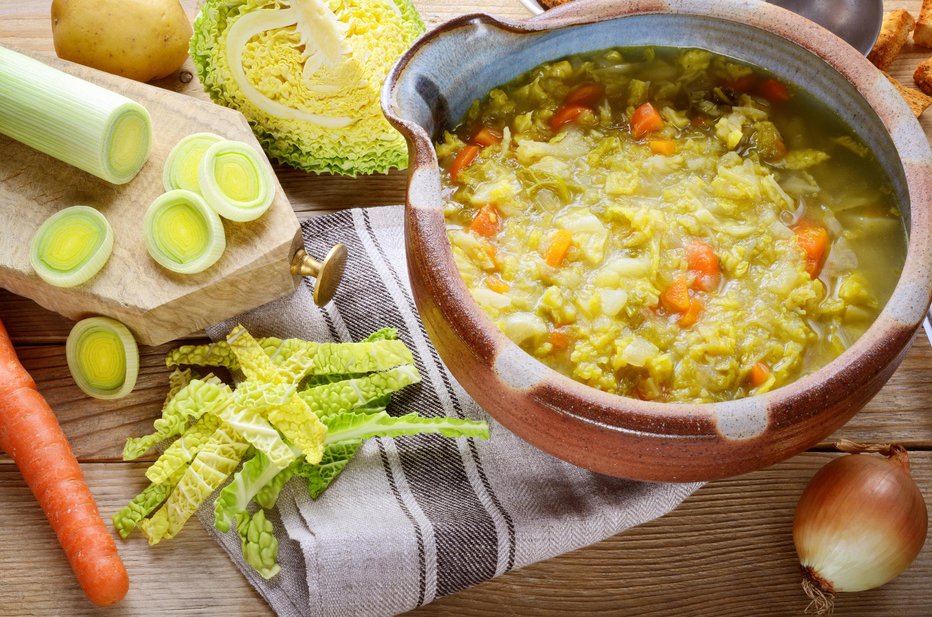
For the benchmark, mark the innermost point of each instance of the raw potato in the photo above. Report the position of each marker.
(923, 33)
(139, 39)
(896, 28)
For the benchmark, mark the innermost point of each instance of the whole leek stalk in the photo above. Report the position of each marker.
(82, 124)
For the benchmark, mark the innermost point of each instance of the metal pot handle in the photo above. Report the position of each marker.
(327, 273)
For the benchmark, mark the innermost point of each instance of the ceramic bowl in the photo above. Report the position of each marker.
(431, 87)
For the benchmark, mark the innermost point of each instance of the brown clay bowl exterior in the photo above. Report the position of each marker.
(462, 60)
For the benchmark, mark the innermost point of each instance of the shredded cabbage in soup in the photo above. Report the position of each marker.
(669, 224)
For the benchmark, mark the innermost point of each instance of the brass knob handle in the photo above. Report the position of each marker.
(328, 272)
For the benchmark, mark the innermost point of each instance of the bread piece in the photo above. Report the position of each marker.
(923, 76)
(549, 4)
(922, 35)
(893, 34)
(916, 100)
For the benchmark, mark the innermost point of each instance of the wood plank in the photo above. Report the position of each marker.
(98, 429)
(30, 324)
(727, 551)
(189, 575)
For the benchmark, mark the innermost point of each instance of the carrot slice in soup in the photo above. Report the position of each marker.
(759, 374)
(486, 222)
(645, 120)
(813, 240)
(559, 338)
(775, 91)
(566, 115)
(666, 147)
(743, 84)
(703, 261)
(466, 156)
(692, 314)
(485, 137)
(496, 284)
(586, 95)
(562, 241)
(675, 298)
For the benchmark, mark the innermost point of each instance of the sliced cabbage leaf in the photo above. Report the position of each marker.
(289, 414)
(215, 354)
(284, 409)
(190, 401)
(336, 457)
(183, 450)
(351, 426)
(328, 399)
(260, 546)
(235, 497)
(326, 358)
(144, 504)
(384, 353)
(253, 361)
(301, 426)
(244, 416)
(217, 459)
(321, 475)
(307, 75)
(267, 495)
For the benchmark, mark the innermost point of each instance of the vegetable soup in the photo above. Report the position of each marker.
(669, 224)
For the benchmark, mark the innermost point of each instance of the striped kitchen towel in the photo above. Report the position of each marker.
(415, 518)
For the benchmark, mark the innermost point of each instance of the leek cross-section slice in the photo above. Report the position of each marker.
(102, 357)
(82, 124)
(181, 167)
(71, 246)
(182, 233)
(235, 181)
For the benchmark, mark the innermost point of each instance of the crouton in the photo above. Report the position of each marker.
(917, 101)
(893, 34)
(549, 4)
(923, 76)
(922, 35)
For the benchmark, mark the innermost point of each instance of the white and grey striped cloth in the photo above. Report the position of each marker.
(416, 518)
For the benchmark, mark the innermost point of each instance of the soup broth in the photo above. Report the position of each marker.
(669, 224)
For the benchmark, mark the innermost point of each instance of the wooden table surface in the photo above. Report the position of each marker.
(727, 551)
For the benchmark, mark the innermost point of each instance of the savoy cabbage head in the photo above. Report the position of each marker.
(307, 75)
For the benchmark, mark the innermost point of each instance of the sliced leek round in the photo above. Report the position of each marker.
(183, 234)
(236, 181)
(181, 167)
(71, 246)
(102, 357)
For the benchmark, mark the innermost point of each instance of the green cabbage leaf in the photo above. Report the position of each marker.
(188, 399)
(217, 459)
(260, 547)
(144, 504)
(351, 427)
(235, 497)
(300, 409)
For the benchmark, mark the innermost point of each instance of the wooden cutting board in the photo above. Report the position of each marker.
(157, 305)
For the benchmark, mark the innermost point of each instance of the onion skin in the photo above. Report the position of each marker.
(860, 522)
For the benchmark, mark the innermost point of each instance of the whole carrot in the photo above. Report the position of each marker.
(31, 435)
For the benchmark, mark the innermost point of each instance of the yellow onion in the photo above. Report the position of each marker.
(859, 523)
